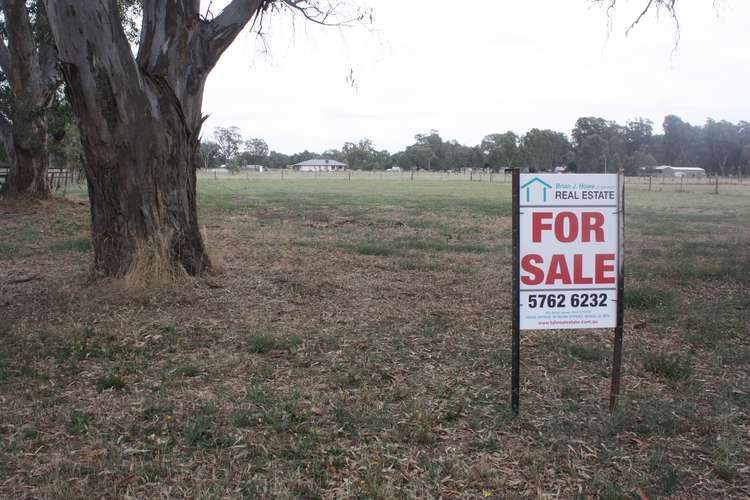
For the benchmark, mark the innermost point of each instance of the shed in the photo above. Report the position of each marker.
(668, 171)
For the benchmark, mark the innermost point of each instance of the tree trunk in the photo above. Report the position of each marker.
(143, 194)
(141, 158)
(30, 65)
(28, 173)
(140, 122)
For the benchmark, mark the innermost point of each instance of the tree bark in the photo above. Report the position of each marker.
(140, 121)
(30, 65)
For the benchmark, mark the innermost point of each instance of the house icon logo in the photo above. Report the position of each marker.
(529, 185)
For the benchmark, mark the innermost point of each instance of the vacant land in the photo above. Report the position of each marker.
(357, 344)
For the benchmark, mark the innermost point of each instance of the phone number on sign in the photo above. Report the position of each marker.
(560, 300)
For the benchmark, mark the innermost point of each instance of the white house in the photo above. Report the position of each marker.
(320, 165)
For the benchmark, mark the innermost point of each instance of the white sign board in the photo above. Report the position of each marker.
(569, 241)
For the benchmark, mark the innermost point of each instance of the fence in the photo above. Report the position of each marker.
(648, 183)
(686, 184)
(348, 175)
(58, 178)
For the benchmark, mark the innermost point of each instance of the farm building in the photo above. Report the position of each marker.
(320, 165)
(667, 171)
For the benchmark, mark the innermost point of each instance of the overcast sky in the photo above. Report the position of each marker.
(469, 71)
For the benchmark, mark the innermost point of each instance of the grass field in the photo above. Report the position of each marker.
(357, 345)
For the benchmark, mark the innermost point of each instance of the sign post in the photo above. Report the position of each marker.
(568, 245)
(516, 347)
(617, 355)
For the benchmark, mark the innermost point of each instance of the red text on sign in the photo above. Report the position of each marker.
(568, 226)
(561, 271)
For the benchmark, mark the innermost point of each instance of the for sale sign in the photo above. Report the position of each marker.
(569, 250)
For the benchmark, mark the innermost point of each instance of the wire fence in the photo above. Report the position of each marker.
(649, 183)
(354, 175)
(60, 179)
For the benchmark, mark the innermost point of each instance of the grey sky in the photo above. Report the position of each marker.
(498, 65)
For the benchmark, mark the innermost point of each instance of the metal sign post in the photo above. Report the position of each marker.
(617, 355)
(516, 349)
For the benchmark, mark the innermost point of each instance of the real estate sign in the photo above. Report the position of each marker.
(569, 250)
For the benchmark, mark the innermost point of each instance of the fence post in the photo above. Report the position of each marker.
(649, 183)
(716, 190)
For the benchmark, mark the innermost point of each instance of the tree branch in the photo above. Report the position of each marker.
(159, 29)
(649, 5)
(328, 13)
(221, 32)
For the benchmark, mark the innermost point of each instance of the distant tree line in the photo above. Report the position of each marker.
(594, 145)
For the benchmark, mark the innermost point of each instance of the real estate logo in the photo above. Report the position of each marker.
(539, 186)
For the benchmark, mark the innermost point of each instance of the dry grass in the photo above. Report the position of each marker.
(216, 253)
(152, 264)
(357, 345)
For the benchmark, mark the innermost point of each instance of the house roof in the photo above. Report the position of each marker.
(688, 169)
(320, 162)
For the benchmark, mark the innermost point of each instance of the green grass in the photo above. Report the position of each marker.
(716, 321)
(646, 298)
(8, 250)
(203, 430)
(410, 245)
(187, 370)
(263, 342)
(75, 245)
(111, 382)
(308, 196)
(666, 477)
(588, 352)
(672, 366)
(79, 423)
